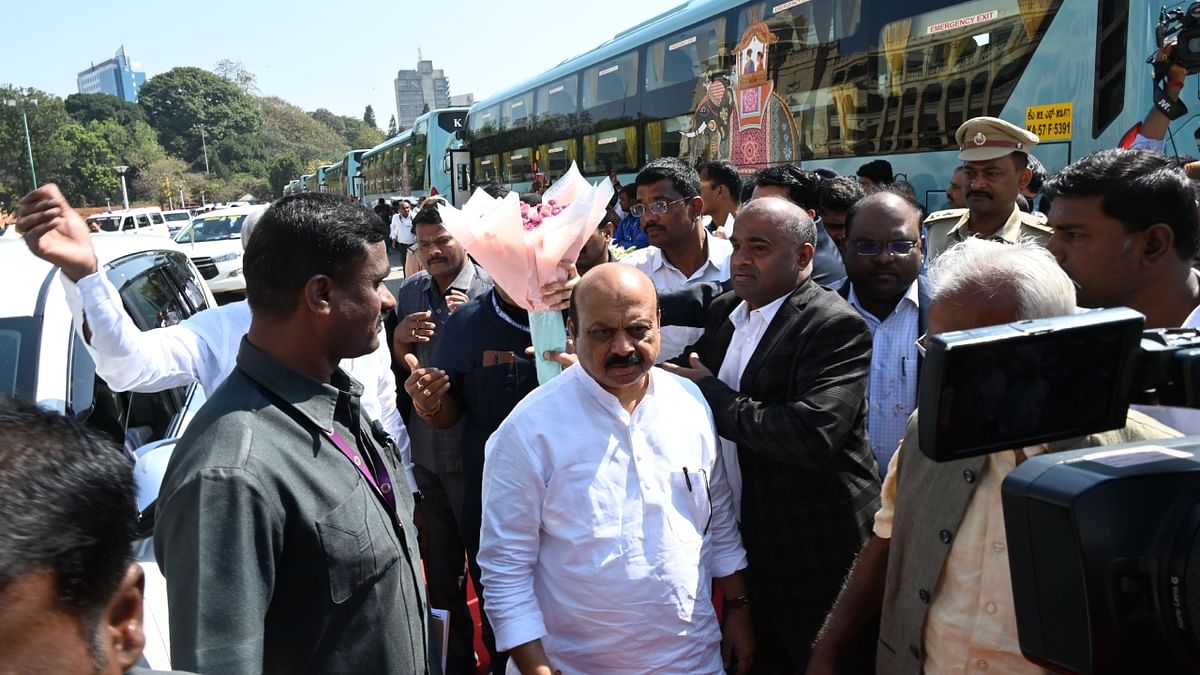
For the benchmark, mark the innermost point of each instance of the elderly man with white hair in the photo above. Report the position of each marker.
(936, 572)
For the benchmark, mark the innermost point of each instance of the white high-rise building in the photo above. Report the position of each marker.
(419, 91)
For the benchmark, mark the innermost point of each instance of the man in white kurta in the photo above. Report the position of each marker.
(606, 512)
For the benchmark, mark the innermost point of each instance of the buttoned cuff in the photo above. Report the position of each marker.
(725, 563)
(1157, 145)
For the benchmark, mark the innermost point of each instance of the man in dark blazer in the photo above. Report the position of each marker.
(798, 356)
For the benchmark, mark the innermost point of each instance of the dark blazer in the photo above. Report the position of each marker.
(810, 484)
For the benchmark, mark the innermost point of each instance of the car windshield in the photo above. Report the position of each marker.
(18, 357)
(176, 216)
(214, 228)
(107, 223)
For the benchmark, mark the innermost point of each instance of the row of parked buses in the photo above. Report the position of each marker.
(831, 83)
(410, 164)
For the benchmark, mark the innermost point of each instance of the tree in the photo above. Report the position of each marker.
(182, 98)
(84, 108)
(52, 153)
(287, 128)
(282, 171)
(360, 135)
(161, 178)
(240, 154)
(334, 122)
(235, 72)
(90, 178)
(392, 128)
(369, 117)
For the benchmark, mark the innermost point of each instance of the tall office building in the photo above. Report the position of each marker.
(416, 89)
(117, 76)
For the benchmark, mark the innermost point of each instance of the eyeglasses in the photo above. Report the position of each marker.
(440, 242)
(657, 208)
(869, 248)
(920, 343)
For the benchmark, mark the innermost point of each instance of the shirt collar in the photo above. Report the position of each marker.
(659, 259)
(1010, 231)
(466, 276)
(308, 396)
(742, 313)
(605, 399)
(912, 295)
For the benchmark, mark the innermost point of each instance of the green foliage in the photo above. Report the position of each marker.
(288, 129)
(84, 108)
(241, 154)
(369, 117)
(89, 178)
(178, 101)
(360, 134)
(135, 145)
(52, 153)
(162, 178)
(282, 171)
(334, 122)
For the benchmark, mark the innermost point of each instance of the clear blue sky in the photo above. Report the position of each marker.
(340, 55)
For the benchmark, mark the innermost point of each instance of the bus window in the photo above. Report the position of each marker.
(557, 100)
(664, 138)
(517, 113)
(485, 123)
(616, 150)
(555, 158)
(685, 56)
(863, 77)
(487, 170)
(610, 81)
(518, 165)
(1112, 30)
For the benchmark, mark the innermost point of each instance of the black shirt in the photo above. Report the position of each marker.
(483, 352)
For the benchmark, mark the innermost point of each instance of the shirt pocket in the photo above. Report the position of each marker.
(691, 510)
(357, 546)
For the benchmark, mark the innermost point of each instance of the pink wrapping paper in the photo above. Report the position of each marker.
(521, 261)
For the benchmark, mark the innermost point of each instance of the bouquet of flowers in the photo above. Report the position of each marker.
(521, 247)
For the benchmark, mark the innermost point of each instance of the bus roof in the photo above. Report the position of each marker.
(407, 133)
(664, 24)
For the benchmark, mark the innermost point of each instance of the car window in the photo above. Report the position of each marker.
(214, 228)
(157, 218)
(143, 221)
(128, 223)
(19, 337)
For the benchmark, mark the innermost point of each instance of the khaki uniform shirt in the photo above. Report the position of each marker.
(947, 228)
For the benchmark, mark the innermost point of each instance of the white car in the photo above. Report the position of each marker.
(43, 359)
(214, 243)
(177, 219)
(146, 220)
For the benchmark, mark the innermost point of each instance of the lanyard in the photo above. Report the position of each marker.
(382, 487)
(504, 315)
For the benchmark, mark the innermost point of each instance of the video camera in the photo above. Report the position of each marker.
(1103, 543)
(1182, 25)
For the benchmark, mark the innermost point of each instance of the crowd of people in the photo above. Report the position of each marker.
(725, 477)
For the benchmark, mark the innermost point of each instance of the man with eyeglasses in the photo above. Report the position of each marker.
(883, 265)
(783, 363)
(424, 302)
(681, 251)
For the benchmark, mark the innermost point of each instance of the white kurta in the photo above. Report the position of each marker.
(603, 530)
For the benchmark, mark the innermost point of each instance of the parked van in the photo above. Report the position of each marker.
(214, 243)
(148, 220)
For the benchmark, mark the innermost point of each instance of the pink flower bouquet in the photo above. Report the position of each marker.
(522, 247)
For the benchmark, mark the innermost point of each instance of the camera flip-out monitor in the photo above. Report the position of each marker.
(1019, 384)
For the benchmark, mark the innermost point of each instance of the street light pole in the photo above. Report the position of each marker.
(121, 169)
(28, 141)
(204, 142)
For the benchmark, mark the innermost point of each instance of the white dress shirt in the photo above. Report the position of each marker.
(748, 329)
(594, 538)
(675, 339)
(402, 230)
(892, 386)
(203, 348)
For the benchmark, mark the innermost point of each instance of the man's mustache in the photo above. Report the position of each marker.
(615, 361)
(977, 193)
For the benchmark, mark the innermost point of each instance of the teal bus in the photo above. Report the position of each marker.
(414, 162)
(339, 177)
(826, 83)
(308, 182)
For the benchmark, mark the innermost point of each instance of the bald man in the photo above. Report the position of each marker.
(783, 364)
(601, 537)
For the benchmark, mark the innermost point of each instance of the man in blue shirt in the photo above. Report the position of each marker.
(629, 231)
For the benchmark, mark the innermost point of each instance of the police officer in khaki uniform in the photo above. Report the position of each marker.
(995, 168)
